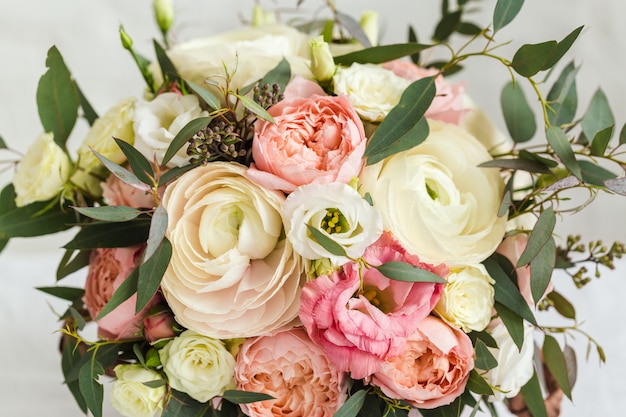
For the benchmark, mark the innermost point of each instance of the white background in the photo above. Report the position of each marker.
(85, 31)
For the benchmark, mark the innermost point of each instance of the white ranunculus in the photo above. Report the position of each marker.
(233, 273)
(197, 365)
(467, 299)
(338, 211)
(478, 123)
(515, 366)
(42, 172)
(372, 89)
(157, 123)
(131, 397)
(435, 199)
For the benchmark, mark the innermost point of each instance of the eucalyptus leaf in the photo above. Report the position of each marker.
(381, 147)
(469, 29)
(477, 383)
(65, 293)
(280, 75)
(541, 234)
(549, 163)
(380, 54)
(598, 116)
(622, 135)
(110, 213)
(204, 94)
(151, 272)
(447, 26)
(88, 112)
(533, 397)
(412, 38)
(532, 58)
(484, 358)
(70, 357)
(173, 173)
(327, 242)
(3, 144)
(403, 271)
(122, 173)
(156, 233)
(70, 264)
(484, 337)
(182, 137)
(569, 354)
(595, 174)
(561, 146)
(353, 405)
(34, 219)
(517, 164)
(90, 388)
(182, 405)
(138, 163)
(563, 97)
(555, 361)
(255, 108)
(567, 182)
(245, 397)
(513, 322)
(110, 235)
(354, 28)
(504, 12)
(167, 67)
(519, 118)
(562, 305)
(126, 289)
(562, 47)
(541, 267)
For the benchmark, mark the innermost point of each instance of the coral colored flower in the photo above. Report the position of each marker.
(358, 332)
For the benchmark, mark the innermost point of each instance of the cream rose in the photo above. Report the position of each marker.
(372, 89)
(42, 173)
(233, 273)
(436, 201)
(467, 299)
(197, 365)
(131, 397)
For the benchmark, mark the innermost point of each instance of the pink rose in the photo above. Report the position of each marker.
(159, 326)
(433, 368)
(292, 369)
(108, 268)
(117, 193)
(359, 327)
(448, 103)
(317, 139)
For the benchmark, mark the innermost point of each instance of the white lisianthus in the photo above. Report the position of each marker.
(372, 89)
(157, 123)
(322, 63)
(197, 365)
(42, 172)
(131, 397)
(436, 200)
(515, 366)
(467, 299)
(336, 210)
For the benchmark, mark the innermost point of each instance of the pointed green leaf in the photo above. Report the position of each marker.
(532, 58)
(562, 305)
(622, 135)
(65, 293)
(563, 47)
(126, 289)
(353, 405)
(541, 267)
(90, 388)
(138, 163)
(158, 228)
(280, 75)
(110, 213)
(513, 322)
(110, 235)
(595, 174)
(412, 37)
(484, 337)
(122, 173)
(598, 116)
(563, 97)
(561, 146)
(569, 354)
(416, 135)
(601, 141)
(173, 173)
(69, 264)
(35, 219)
(184, 135)
(447, 25)
(70, 358)
(182, 405)
(3, 144)
(468, 29)
(88, 112)
(517, 164)
(245, 397)
(541, 234)
(504, 12)
(380, 54)
(548, 163)
(477, 383)
(151, 272)
(519, 118)
(167, 67)
(484, 358)
(204, 94)
(255, 108)
(555, 361)
(327, 243)
(533, 397)
(402, 271)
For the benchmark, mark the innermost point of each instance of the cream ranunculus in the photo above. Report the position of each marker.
(131, 397)
(233, 273)
(435, 199)
(467, 299)
(372, 89)
(197, 365)
(42, 173)
(157, 123)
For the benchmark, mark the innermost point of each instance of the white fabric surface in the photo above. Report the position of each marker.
(85, 32)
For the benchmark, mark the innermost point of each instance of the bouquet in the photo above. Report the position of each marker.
(292, 219)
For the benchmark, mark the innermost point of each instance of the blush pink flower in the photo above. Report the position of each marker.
(117, 193)
(316, 139)
(448, 105)
(433, 368)
(108, 268)
(292, 369)
(159, 326)
(359, 332)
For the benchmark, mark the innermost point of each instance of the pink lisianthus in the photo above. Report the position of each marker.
(314, 139)
(292, 369)
(359, 332)
(108, 268)
(447, 105)
(117, 193)
(433, 368)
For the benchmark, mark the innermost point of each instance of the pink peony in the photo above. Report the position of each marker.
(433, 368)
(361, 327)
(292, 369)
(108, 268)
(448, 103)
(316, 139)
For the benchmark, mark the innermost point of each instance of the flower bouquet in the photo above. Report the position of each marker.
(292, 219)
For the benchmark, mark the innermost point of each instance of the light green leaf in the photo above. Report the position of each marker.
(402, 271)
(541, 267)
(182, 137)
(598, 116)
(90, 388)
(380, 54)
(353, 405)
(484, 358)
(126, 289)
(554, 359)
(110, 213)
(110, 235)
(138, 163)
(541, 234)
(562, 305)
(155, 384)
(561, 146)
(533, 397)
(563, 97)
(122, 173)
(255, 108)
(65, 293)
(327, 243)
(208, 97)
(245, 397)
(569, 354)
(504, 12)
(477, 383)
(595, 174)
(532, 58)
(601, 141)
(519, 118)
(151, 272)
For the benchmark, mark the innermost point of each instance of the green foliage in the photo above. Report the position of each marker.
(110, 235)
(402, 271)
(110, 213)
(139, 165)
(352, 405)
(533, 397)
(380, 54)
(504, 12)
(519, 118)
(327, 243)
(151, 272)
(184, 135)
(245, 397)
(563, 97)
(90, 388)
(555, 361)
(563, 149)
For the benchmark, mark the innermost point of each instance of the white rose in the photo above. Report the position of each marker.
(467, 299)
(157, 123)
(42, 173)
(436, 201)
(515, 366)
(338, 211)
(372, 90)
(131, 397)
(197, 365)
(233, 273)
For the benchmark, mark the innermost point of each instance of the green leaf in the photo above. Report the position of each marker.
(57, 98)
(562, 305)
(138, 163)
(255, 108)
(533, 397)
(65, 293)
(280, 75)
(380, 54)
(517, 164)
(563, 97)
(513, 322)
(245, 397)
(122, 173)
(403, 271)
(595, 174)
(88, 112)
(555, 361)
(484, 337)
(110, 235)
(541, 234)
(167, 67)
(3, 144)
(69, 265)
(484, 358)
(126, 289)
(541, 267)
(35, 219)
(173, 173)
(327, 243)
(561, 146)
(204, 94)
(182, 405)
(182, 137)
(569, 354)
(549, 163)
(352, 405)
(447, 25)
(598, 116)
(376, 152)
(158, 228)
(622, 135)
(151, 272)
(601, 141)
(71, 356)
(477, 383)
(563, 47)
(412, 37)
(519, 118)
(504, 13)
(469, 29)
(92, 390)
(532, 58)
(110, 213)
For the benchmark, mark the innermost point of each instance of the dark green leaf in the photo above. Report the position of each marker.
(352, 405)
(354, 28)
(595, 174)
(182, 405)
(126, 289)
(517, 164)
(519, 118)
(562, 305)
(533, 397)
(563, 47)
(280, 75)
(412, 38)
(245, 397)
(484, 358)
(173, 173)
(446, 26)
(377, 151)
(549, 163)
(563, 97)
(110, 213)
(35, 219)
(70, 358)
(69, 264)
(156, 383)
(555, 361)
(561, 146)
(380, 54)
(541, 267)
(477, 383)
(468, 28)
(255, 108)
(504, 12)
(3, 244)
(167, 67)
(484, 337)
(513, 322)
(3, 144)
(184, 135)
(622, 135)
(402, 271)
(90, 114)
(450, 410)
(151, 272)
(532, 58)
(110, 235)
(78, 319)
(65, 293)
(598, 116)
(138, 163)
(204, 94)
(541, 234)
(92, 390)
(122, 173)
(327, 243)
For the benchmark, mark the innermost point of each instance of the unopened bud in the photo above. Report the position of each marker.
(369, 24)
(164, 13)
(127, 42)
(261, 17)
(322, 63)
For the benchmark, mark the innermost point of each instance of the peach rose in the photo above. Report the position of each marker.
(433, 368)
(159, 326)
(292, 369)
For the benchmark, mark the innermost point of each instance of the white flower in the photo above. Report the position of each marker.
(515, 366)
(131, 397)
(322, 63)
(372, 90)
(42, 173)
(467, 299)
(435, 199)
(197, 365)
(476, 121)
(157, 122)
(338, 211)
